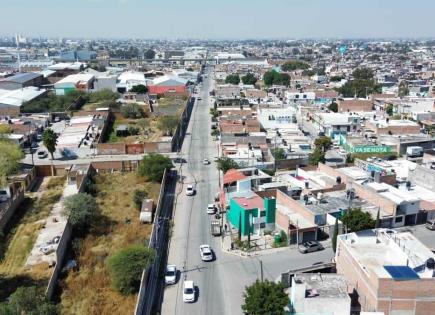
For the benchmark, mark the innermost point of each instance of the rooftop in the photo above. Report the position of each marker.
(250, 202)
(319, 285)
(21, 77)
(375, 249)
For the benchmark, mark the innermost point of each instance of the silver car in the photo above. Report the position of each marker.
(310, 246)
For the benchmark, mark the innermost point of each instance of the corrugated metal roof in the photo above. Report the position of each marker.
(21, 77)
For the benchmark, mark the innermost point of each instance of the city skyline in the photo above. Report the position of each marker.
(192, 19)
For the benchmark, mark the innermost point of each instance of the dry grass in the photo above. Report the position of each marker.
(21, 238)
(88, 290)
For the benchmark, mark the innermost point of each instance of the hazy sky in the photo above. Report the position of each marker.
(218, 18)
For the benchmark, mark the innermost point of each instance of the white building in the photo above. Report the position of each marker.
(298, 97)
(80, 81)
(322, 294)
(127, 80)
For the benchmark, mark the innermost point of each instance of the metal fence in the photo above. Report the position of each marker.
(150, 292)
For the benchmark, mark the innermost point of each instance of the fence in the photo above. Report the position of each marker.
(149, 276)
(62, 247)
(8, 207)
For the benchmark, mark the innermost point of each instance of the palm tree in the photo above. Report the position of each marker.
(49, 138)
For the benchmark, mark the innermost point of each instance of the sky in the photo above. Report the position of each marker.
(218, 19)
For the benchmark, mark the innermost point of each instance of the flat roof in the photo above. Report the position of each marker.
(22, 77)
(324, 285)
(296, 218)
(396, 195)
(375, 249)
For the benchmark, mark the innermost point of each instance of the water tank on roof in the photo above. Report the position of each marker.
(430, 263)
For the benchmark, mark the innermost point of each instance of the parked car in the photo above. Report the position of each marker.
(47, 249)
(189, 190)
(310, 246)
(206, 252)
(3, 195)
(215, 159)
(205, 162)
(171, 274)
(42, 154)
(430, 225)
(211, 208)
(188, 291)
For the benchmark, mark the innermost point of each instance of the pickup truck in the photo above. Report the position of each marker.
(215, 228)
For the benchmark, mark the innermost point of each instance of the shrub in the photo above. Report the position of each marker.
(80, 209)
(132, 110)
(132, 130)
(153, 166)
(138, 196)
(126, 267)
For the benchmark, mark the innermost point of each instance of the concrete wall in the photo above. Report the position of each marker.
(111, 148)
(422, 176)
(8, 207)
(63, 245)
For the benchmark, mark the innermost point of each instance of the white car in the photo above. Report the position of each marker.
(188, 291)
(3, 195)
(171, 274)
(206, 253)
(211, 208)
(189, 190)
(205, 162)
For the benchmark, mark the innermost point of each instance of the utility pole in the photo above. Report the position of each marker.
(261, 270)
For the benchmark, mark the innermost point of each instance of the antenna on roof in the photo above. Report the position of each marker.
(17, 39)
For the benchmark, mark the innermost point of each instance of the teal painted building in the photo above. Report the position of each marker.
(250, 212)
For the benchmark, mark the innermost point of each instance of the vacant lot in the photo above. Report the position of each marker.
(25, 227)
(88, 290)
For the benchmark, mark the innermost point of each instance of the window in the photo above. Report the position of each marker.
(305, 96)
(399, 219)
(297, 96)
(262, 213)
(262, 225)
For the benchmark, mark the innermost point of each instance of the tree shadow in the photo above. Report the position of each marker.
(9, 285)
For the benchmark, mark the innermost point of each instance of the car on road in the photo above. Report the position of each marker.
(171, 274)
(205, 162)
(310, 246)
(216, 159)
(188, 291)
(189, 190)
(211, 208)
(430, 225)
(42, 154)
(3, 195)
(206, 252)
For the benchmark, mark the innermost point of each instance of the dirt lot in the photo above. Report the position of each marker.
(88, 290)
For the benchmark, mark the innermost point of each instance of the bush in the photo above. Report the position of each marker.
(132, 110)
(126, 267)
(265, 297)
(138, 197)
(80, 208)
(357, 220)
(232, 79)
(132, 130)
(140, 89)
(153, 166)
(28, 300)
(103, 95)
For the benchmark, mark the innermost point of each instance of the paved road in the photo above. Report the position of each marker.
(220, 283)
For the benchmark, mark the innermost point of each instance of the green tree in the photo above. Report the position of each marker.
(318, 156)
(126, 267)
(265, 297)
(138, 196)
(403, 89)
(272, 77)
(249, 78)
(10, 156)
(334, 236)
(28, 300)
(132, 110)
(49, 139)
(149, 54)
(294, 65)
(390, 109)
(167, 124)
(153, 166)
(361, 85)
(103, 95)
(140, 89)
(80, 209)
(144, 124)
(5, 130)
(232, 79)
(215, 133)
(357, 220)
(225, 163)
(333, 107)
(323, 143)
(278, 153)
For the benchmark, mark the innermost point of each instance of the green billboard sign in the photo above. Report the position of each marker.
(372, 149)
